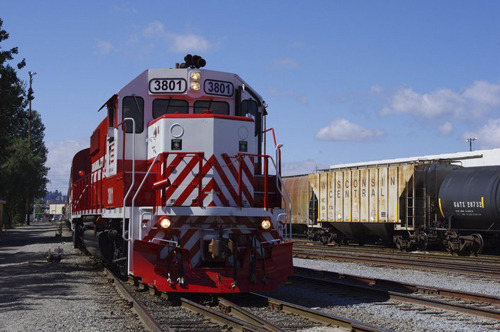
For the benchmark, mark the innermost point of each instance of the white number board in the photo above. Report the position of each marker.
(220, 88)
(167, 85)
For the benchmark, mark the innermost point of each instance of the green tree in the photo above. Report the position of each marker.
(23, 175)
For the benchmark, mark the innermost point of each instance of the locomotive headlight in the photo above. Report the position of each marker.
(195, 76)
(164, 222)
(265, 224)
(195, 86)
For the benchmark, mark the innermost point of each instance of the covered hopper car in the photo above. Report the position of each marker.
(176, 188)
(410, 204)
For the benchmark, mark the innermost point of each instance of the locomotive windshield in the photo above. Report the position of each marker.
(217, 107)
(169, 106)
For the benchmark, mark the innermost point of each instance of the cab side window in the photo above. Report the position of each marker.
(111, 115)
(250, 109)
(133, 107)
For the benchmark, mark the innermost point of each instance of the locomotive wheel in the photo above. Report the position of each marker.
(78, 236)
(478, 243)
(325, 239)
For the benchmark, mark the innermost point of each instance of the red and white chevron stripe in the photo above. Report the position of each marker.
(226, 181)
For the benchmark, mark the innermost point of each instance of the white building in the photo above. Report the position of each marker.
(466, 159)
(56, 209)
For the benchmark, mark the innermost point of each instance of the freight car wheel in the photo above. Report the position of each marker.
(478, 244)
(422, 241)
(449, 247)
(398, 242)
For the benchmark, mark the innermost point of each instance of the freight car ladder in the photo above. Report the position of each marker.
(415, 204)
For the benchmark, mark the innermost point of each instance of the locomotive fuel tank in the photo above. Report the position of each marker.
(469, 198)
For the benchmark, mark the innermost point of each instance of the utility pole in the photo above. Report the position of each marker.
(470, 140)
(30, 97)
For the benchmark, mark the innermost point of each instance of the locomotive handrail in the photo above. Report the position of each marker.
(288, 232)
(266, 175)
(288, 201)
(133, 176)
(164, 181)
(85, 185)
(277, 147)
(131, 219)
(163, 240)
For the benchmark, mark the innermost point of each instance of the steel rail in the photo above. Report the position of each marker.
(467, 268)
(402, 297)
(220, 317)
(146, 319)
(245, 315)
(389, 284)
(318, 316)
(386, 251)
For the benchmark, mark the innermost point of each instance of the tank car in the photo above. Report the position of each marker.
(411, 204)
(469, 203)
(177, 189)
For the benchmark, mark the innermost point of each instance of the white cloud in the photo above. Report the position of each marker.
(286, 63)
(59, 161)
(301, 167)
(376, 89)
(429, 105)
(474, 101)
(178, 43)
(488, 136)
(483, 93)
(104, 47)
(186, 43)
(343, 130)
(301, 98)
(154, 29)
(446, 128)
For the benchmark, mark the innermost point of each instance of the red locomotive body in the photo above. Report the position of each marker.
(177, 189)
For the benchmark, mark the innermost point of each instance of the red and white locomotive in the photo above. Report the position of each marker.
(176, 188)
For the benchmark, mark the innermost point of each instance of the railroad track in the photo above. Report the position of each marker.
(444, 299)
(198, 315)
(469, 266)
(286, 308)
(379, 250)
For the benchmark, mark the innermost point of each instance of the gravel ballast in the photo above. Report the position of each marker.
(70, 295)
(455, 281)
(392, 314)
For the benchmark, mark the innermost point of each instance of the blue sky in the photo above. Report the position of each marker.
(346, 81)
